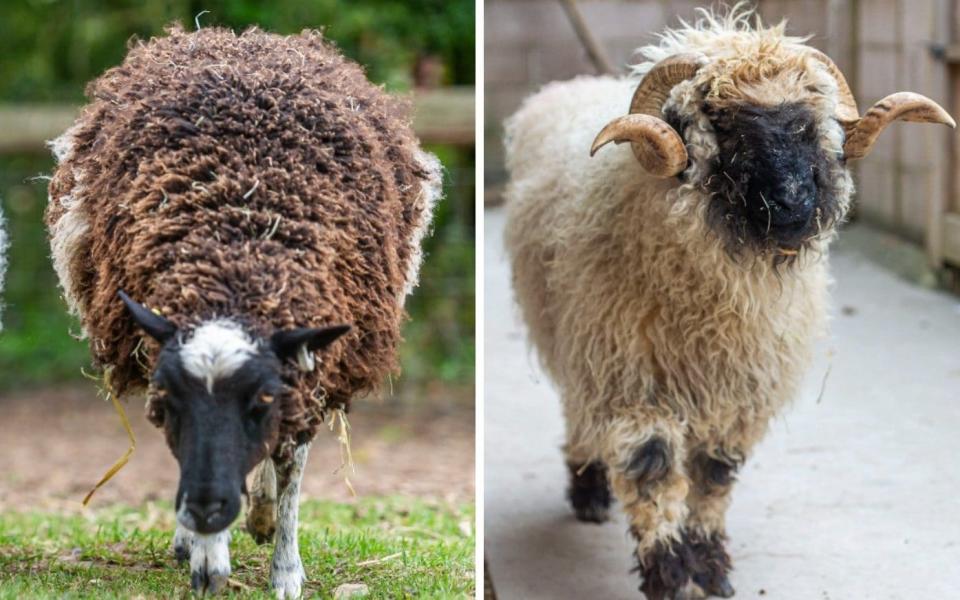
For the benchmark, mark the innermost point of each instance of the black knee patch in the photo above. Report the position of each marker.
(712, 473)
(649, 463)
(589, 491)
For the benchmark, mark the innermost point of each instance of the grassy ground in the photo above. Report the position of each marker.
(398, 547)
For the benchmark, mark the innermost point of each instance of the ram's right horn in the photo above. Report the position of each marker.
(656, 145)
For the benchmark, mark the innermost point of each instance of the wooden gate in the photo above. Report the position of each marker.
(950, 230)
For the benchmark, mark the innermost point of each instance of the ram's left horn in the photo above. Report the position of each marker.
(656, 145)
(902, 106)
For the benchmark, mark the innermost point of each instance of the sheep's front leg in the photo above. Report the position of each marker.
(645, 459)
(262, 515)
(210, 562)
(712, 471)
(588, 490)
(209, 557)
(286, 569)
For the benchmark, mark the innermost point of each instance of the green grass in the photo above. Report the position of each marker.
(421, 549)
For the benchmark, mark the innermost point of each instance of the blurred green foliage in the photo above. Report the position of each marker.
(49, 49)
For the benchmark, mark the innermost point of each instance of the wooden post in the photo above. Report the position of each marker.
(596, 54)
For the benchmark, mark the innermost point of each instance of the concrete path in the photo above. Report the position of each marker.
(854, 497)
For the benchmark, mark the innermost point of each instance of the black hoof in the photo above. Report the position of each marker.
(716, 585)
(181, 553)
(589, 492)
(208, 583)
(667, 572)
(722, 588)
(693, 567)
(592, 513)
(713, 564)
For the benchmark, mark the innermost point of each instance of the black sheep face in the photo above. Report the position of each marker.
(773, 184)
(221, 393)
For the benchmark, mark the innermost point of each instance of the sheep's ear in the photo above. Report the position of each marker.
(286, 344)
(156, 326)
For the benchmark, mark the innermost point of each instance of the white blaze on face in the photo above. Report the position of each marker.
(216, 350)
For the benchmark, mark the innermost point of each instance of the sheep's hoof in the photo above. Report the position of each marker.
(592, 513)
(182, 543)
(667, 571)
(713, 564)
(690, 591)
(210, 562)
(262, 522)
(589, 492)
(208, 583)
(287, 580)
(721, 588)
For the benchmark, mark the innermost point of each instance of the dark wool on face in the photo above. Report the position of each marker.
(771, 183)
(254, 177)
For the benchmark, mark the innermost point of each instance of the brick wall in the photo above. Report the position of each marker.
(882, 46)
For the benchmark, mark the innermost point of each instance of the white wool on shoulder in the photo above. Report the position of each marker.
(216, 350)
(69, 236)
(430, 193)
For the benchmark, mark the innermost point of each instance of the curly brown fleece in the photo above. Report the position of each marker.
(253, 176)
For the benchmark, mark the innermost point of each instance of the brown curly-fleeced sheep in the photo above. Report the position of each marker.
(253, 176)
(674, 292)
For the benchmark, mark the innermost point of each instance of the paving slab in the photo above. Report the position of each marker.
(852, 495)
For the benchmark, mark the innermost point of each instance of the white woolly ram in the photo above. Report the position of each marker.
(675, 302)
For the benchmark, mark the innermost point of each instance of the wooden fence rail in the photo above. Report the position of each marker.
(441, 116)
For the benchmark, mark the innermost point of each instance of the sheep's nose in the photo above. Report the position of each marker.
(792, 203)
(207, 510)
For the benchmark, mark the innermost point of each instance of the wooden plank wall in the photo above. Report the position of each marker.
(882, 46)
(885, 46)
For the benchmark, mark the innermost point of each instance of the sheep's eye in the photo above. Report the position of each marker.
(161, 394)
(260, 406)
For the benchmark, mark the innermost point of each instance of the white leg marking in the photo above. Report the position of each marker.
(286, 570)
(182, 543)
(210, 562)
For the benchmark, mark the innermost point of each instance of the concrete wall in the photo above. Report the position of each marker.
(882, 45)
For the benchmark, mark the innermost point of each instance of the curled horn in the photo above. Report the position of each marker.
(847, 112)
(863, 132)
(902, 106)
(657, 146)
